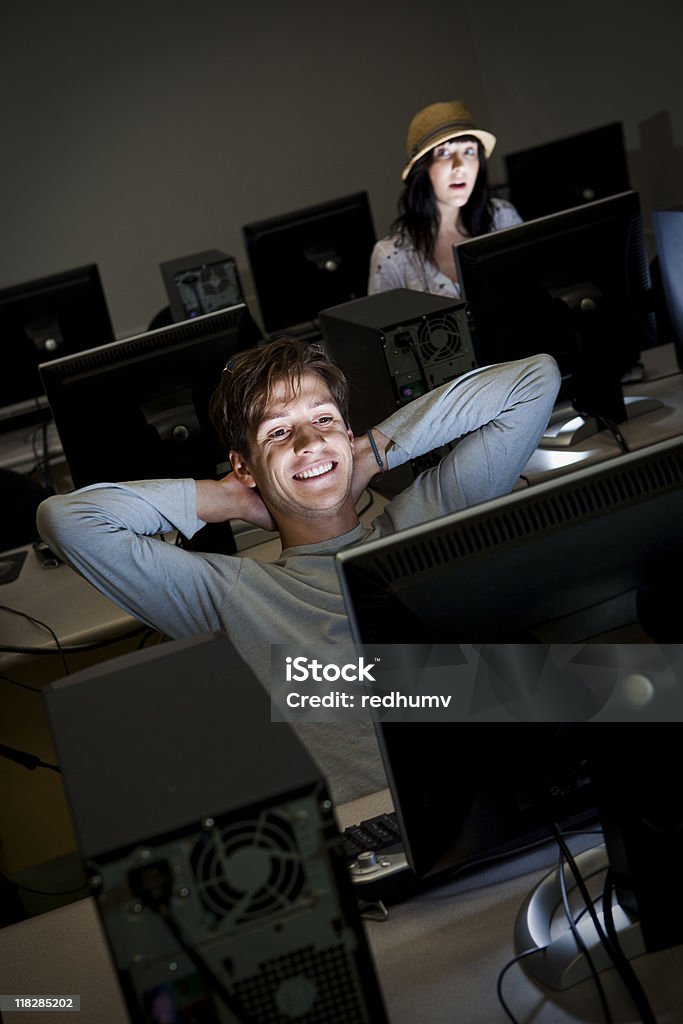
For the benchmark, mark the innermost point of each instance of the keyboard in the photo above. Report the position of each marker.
(377, 861)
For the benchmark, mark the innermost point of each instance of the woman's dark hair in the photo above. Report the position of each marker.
(418, 215)
(247, 383)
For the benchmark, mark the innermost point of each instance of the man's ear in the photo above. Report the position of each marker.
(241, 470)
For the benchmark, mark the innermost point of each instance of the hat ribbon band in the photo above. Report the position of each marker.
(440, 130)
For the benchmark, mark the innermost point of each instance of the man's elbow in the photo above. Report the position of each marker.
(549, 373)
(48, 518)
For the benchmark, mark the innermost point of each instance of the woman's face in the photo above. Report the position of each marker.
(453, 171)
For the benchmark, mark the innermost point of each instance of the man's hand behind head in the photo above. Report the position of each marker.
(221, 500)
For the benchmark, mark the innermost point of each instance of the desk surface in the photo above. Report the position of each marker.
(65, 601)
(662, 381)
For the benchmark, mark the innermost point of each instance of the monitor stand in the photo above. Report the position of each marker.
(566, 429)
(559, 963)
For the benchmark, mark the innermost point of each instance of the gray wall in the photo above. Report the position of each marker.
(136, 133)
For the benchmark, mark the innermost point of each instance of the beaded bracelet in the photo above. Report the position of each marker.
(375, 450)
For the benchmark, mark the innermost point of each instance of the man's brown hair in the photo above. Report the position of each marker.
(239, 402)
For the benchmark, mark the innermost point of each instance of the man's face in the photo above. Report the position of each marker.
(301, 454)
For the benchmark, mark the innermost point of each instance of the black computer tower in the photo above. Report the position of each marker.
(210, 842)
(201, 283)
(395, 346)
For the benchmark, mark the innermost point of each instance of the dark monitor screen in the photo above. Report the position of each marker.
(567, 172)
(575, 284)
(42, 319)
(138, 408)
(310, 259)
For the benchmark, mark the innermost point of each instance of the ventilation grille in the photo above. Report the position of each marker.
(438, 338)
(308, 986)
(248, 869)
(533, 515)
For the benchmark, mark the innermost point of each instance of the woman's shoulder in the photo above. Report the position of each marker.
(391, 244)
(504, 214)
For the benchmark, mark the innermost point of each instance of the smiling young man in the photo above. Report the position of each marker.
(282, 413)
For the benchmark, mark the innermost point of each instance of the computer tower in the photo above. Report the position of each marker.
(395, 346)
(210, 842)
(201, 283)
(668, 229)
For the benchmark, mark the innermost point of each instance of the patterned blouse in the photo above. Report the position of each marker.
(395, 263)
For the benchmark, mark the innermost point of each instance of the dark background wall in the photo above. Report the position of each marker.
(136, 133)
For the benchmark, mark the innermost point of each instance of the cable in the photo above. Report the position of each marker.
(609, 425)
(615, 432)
(626, 971)
(94, 645)
(420, 365)
(36, 622)
(152, 884)
(30, 761)
(499, 984)
(63, 649)
(566, 854)
(15, 682)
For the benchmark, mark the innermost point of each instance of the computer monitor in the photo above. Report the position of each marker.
(541, 570)
(566, 172)
(575, 284)
(310, 259)
(139, 408)
(61, 314)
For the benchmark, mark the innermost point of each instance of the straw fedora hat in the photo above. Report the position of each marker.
(437, 123)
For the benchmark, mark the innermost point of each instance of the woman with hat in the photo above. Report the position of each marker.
(445, 200)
